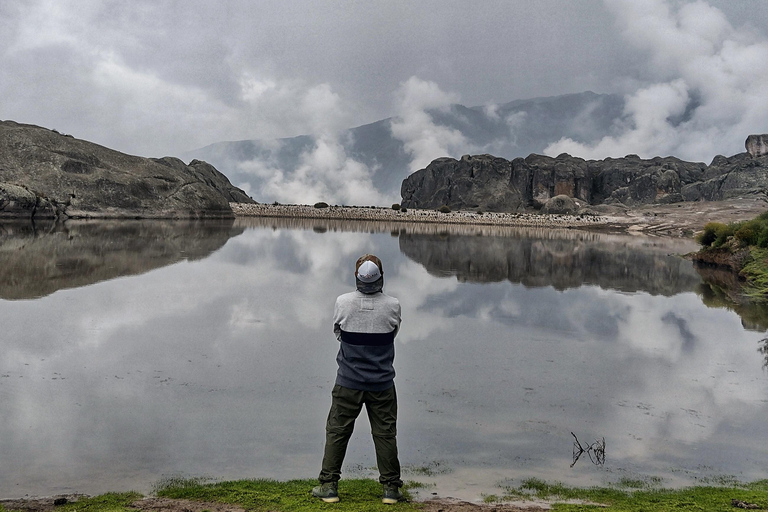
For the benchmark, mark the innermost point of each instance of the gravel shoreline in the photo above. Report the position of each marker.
(671, 220)
(369, 213)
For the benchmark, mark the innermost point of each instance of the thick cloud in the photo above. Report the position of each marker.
(423, 139)
(164, 78)
(707, 90)
(325, 172)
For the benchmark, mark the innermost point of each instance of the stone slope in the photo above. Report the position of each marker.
(495, 184)
(44, 174)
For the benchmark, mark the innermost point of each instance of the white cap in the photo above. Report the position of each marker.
(368, 272)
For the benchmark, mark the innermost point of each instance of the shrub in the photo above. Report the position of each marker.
(715, 234)
(395, 206)
(753, 232)
(321, 204)
(444, 209)
(747, 232)
(403, 209)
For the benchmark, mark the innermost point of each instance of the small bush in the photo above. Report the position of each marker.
(444, 209)
(403, 209)
(748, 233)
(753, 232)
(321, 204)
(715, 234)
(395, 206)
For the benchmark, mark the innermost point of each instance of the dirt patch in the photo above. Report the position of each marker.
(172, 505)
(684, 219)
(41, 504)
(451, 505)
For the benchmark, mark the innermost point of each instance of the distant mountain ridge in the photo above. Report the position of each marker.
(510, 130)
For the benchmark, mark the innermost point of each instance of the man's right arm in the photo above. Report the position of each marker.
(336, 321)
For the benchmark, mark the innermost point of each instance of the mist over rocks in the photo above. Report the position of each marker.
(46, 174)
(491, 183)
(386, 151)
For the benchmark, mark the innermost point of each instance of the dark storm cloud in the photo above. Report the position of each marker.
(161, 78)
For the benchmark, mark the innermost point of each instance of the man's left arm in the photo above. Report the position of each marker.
(397, 318)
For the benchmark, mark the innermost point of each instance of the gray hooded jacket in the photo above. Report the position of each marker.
(366, 325)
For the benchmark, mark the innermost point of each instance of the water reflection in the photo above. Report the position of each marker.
(558, 258)
(41, 258)
(223, 366)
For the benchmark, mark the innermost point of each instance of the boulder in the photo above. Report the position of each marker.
(560, 205)
(46, 174)
(757, 145)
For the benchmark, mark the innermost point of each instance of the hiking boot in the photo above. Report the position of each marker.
(392, 495)
(328, 492)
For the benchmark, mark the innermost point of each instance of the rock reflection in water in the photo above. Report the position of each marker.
(558, 258)
(537, 257)
(39, 259)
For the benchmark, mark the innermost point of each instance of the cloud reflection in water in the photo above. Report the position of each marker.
(223, 366)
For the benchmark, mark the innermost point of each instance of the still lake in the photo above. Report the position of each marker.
(133, 351)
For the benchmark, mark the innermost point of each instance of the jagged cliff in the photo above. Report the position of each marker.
(44, 174)
(496, 184)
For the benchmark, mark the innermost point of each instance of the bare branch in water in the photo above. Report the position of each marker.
(595, 451)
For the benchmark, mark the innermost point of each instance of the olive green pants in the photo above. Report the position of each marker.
(381, 407)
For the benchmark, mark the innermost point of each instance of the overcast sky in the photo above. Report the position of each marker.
(158, 78)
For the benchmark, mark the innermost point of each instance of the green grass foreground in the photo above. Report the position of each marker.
(291, 496)
(640, 495)
(365, 495)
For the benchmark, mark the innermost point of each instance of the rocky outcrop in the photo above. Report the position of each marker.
(44, 174)
(490, 183)
(757, 145)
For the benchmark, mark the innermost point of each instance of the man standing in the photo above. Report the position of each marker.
(365, 322)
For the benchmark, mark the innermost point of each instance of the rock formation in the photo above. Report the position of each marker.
(44, 174)
(495, 184)
(757, 145)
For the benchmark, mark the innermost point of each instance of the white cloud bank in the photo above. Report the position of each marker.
(707, 85)
(422, 138)
(325, 172)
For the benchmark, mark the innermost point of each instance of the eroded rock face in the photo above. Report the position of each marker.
(44, 174)
(757, 145)
(495, 184)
